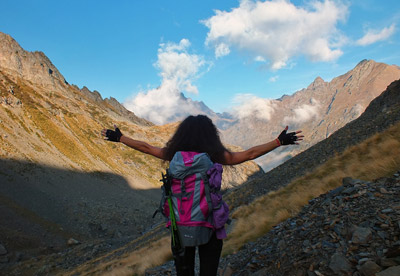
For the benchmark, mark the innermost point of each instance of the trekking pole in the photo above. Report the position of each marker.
(177, 248)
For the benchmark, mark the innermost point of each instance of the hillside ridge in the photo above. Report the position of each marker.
(382, 112)
(318, 110)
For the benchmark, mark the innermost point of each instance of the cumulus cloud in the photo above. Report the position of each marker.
(373, 36)
(246, 105)
(178, 69)
(304, 113)
(278, 30)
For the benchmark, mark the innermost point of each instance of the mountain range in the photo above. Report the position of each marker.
(60, 181)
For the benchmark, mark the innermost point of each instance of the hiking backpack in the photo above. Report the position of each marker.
(197, 204)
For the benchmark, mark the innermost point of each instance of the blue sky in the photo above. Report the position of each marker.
(144, 52)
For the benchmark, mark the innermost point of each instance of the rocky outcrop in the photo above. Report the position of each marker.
(35, 67)
(95, 95)
(114, 108)
(114, 105)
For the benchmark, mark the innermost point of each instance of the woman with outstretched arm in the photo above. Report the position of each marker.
(197, 135)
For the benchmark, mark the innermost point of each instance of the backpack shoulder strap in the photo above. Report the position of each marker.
(207, 191)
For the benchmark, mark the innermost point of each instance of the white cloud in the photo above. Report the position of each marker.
(273, 159)
(304, 113)
(178, 69)
(247, 105)
(278, 30)
(222, 50)
(373, 36)
(177, 65)
(273, 78)
(260, 59)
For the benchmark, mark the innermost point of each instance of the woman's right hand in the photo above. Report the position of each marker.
(112, 135)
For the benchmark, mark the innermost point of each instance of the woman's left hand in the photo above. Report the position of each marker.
(290, 138)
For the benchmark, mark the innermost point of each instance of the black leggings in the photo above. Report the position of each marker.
(209, 254)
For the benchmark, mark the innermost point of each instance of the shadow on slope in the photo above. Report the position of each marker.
(42, 207)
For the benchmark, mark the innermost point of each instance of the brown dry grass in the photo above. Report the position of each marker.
(135, 263)
(154, 254)
(64, 142)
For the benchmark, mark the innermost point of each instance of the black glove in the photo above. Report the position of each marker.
(287, 138)
(113, 135)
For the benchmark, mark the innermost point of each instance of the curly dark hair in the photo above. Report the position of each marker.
(198, 134)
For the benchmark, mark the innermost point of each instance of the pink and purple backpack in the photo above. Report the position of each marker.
(197, 202)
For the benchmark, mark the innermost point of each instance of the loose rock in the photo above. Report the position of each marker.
(72, 241)
(369, 269)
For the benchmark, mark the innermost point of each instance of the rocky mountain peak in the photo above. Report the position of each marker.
(317, 83)
(7, 42)
(364, 61)
(95, 95)
(365, 64)
(33, 66)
